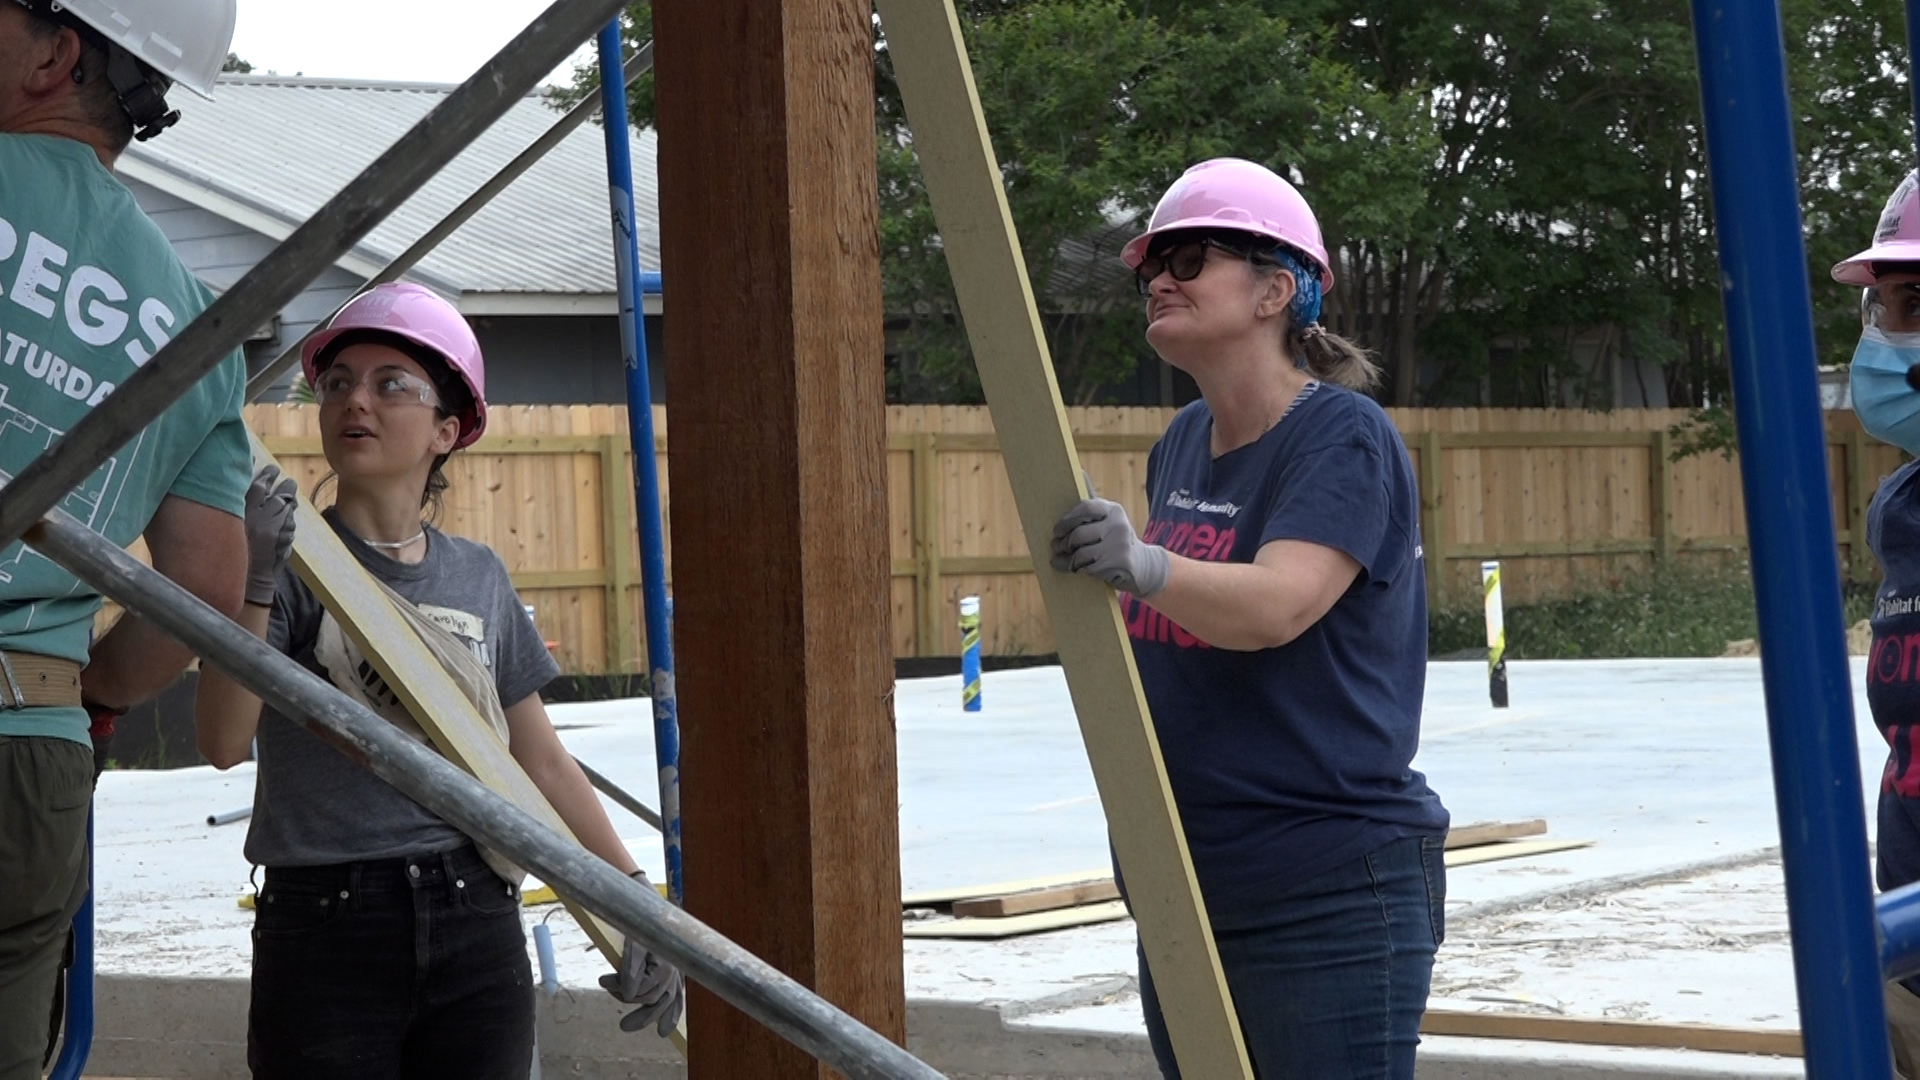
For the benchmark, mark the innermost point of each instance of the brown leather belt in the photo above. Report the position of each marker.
(32, 681)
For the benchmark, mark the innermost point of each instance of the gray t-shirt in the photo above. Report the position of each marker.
(314, 807)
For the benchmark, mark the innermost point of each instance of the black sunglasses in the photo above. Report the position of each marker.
(1185, 260)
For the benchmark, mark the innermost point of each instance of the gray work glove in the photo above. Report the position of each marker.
(649, 982)
(269, 520)
(1095, 538)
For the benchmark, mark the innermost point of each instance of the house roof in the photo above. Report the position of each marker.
(270, 150)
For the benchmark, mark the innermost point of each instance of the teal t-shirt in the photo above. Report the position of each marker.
(90, 290)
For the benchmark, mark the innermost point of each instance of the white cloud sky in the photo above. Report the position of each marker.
(411, 40)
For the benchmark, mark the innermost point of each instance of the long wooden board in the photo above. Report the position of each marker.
(457, 729)
(996, 302)
(942, 897)
(1016, 925)
(1486, 832)
(1035, 900)
(1591, 1032)
(1510, 849)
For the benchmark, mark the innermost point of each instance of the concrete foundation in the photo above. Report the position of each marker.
(1675, 914)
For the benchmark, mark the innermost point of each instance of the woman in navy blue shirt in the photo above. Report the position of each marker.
(1276, 603)
(1884, 380)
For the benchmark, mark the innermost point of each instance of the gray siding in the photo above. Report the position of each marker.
(562, 360)
(220, 251)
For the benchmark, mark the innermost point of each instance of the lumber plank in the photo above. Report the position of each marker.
(1592, 1032)
(927, 898)
(458, 731)
(996, 302)
(1016, 925)
(1486, 832)
(1027, 903)
(1509, 849)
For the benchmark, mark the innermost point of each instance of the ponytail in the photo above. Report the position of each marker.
(1331, 358)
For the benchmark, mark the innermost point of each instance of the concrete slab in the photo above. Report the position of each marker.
(1674, 914)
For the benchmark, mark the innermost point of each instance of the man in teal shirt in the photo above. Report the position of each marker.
(89, 292)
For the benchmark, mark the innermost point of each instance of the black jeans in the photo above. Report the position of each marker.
(393, 969)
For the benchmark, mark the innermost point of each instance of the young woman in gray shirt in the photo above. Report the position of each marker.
(385, 944)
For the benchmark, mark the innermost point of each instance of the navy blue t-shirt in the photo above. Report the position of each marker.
(1893, 671)
(1288, 762)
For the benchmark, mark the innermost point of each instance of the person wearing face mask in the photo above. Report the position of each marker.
(1276, 603)
(1884, 380)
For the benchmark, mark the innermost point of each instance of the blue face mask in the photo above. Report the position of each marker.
(1888, 407)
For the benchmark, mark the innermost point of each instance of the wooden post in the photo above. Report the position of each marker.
(929, 632)
(1433, 526)
(770, 240)
(1660, 494)
(616, 530)
(1859, 493)
(1030, 422)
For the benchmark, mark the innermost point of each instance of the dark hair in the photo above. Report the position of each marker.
(455, 401)
(97, 95)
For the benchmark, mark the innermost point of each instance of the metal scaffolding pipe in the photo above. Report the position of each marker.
(330, 233)
(638, 65)
(619, 795)
(739, 977)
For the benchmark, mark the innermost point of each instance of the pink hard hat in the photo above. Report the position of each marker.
(416, 314)
(1895, 239)
(1228, 193)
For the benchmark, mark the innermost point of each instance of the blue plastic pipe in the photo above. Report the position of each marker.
(1796, 578)
(632, 284)
(77, 1041)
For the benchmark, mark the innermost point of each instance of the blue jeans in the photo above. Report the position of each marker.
(393, 969)
(1331, 986)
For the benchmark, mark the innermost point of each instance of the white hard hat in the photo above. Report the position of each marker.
(184, 40)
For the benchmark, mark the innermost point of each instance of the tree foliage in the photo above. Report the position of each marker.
(1513, 191)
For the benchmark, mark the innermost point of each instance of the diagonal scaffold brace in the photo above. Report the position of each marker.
(330, 233)
(637, 65)
(743, 980)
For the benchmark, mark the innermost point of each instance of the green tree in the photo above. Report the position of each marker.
(1495, 181)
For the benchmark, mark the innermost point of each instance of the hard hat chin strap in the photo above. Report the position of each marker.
(142, 92)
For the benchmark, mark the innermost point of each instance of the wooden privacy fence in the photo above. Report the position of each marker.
(1568, 500)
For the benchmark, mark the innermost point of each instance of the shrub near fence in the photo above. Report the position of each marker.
(1566, 499)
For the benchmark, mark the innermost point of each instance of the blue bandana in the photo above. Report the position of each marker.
(1306, 277)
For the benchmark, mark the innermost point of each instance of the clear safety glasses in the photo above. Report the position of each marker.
(387, 385)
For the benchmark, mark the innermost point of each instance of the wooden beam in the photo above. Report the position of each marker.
(927, 898)
(1003, 326)
(429, 694)
(1660, 493)
(1486, 832)
(1509, 849)
(1588, 1032)
(770, 240)
(1026, 903)
(1038, 922)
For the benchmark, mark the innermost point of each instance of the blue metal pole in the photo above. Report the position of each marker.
(646, 475)
(1900, 932)
(1796, 577)
(77, 1042)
